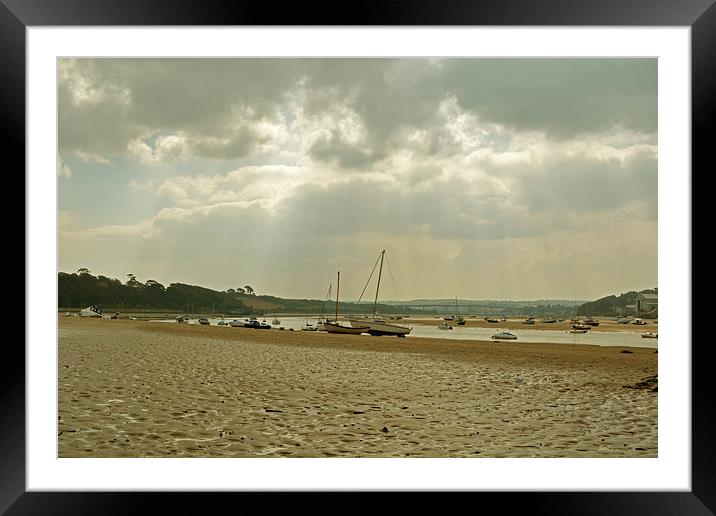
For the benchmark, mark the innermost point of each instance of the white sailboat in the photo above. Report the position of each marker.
(336, 327)
(378, 326)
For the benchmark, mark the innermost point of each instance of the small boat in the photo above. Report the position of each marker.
(504, 335)
(253, 323)
(531, 320)
(336, 327)
(549, 321)
(347, 330)
(580, 326)
(639, 322)
(650, 335)
(491, 319)
(578, 331)
(91, 311)
(115, 315)
(591, 322)
(444, 326)
(448, 318)
(182, 319)
(222, 323)
(309, 327)
(203, 321)
(237, 323)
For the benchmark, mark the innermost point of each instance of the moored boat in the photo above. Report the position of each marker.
(375, 325)
(504, 335)
(650, 335)
(336, 327)
(91, 311)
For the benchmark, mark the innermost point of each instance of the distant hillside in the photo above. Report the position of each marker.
(81, 290)
(78, 290)
(609, 305)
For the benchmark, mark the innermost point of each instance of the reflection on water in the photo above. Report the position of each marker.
(597, 338)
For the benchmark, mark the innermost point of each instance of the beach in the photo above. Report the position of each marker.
(147, 389)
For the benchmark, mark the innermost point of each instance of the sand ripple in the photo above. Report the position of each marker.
(133, 391)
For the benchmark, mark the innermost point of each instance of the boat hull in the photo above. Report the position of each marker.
(348, 330)
(380, 328)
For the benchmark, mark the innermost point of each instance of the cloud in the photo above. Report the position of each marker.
(63, 169)
(233, 108)
(286, 167)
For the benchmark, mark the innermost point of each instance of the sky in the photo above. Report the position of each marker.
(481, 178)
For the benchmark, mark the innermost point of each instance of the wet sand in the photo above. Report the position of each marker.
(148, 389)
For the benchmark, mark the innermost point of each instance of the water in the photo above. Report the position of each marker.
(596, 338)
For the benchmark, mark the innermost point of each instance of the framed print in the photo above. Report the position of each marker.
(463, 199)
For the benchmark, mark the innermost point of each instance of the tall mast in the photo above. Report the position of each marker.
(338, 289)
(380, 271)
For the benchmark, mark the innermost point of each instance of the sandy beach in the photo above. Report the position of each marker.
(149, 389)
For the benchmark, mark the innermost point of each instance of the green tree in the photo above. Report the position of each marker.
(249, 290)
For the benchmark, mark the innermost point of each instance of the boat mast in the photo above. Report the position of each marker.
(380, 271)
(338, 289)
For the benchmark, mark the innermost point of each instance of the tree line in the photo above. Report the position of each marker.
(81, 289)
(76, 290)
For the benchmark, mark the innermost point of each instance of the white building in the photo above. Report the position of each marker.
(646, 302)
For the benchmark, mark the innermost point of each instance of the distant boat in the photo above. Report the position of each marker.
(444, 326)
(253, 323)
(336, 327)
(578, 331)
(222, 323)
(375, 325)
(580, 326)
(309, 327)
(550, 320)
(237, 323)
(182, 319)
(624, 320)
(504, 335)
(91, 311)
(448, 318)
(639, 321)
(203, 321)
(459, 319)
(650, 335)
(530, 320)
(591, 322)
(491, 319)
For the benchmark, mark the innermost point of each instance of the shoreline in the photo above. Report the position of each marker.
(323, 339)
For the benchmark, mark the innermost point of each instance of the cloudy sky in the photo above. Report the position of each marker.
(482, 178)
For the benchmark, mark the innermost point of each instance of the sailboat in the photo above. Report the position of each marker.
(336, 327)
(459, 319)
(377, 326)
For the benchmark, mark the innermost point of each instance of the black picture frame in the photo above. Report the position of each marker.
(17, 15)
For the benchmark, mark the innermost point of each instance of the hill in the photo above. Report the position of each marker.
(78, 290)
(616, 305)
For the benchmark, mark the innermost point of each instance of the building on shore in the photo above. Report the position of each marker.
(646, 302)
